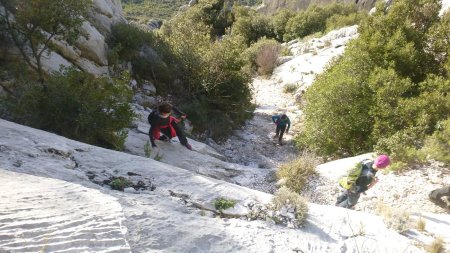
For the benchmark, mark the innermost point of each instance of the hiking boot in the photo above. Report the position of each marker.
(275, 136)
(188, 146)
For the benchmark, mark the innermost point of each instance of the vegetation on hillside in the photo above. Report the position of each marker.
(144, 11)
(71, 103)
(32, 25)
(389, 90)
(206, 55)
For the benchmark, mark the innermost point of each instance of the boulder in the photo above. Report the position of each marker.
(93, 45)
(52, 62)
(148, 88)
(89, 53)
(105, 13)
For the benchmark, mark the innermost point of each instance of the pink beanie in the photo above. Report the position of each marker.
(382, 161)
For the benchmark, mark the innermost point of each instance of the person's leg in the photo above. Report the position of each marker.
(277, 131)
(282, 129)
(436, 196)
(341, 198)
(352, 199)
(180, 134)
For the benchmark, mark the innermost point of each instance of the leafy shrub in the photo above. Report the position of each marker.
(437, 146)
(223, 203)
(250, 25)
(128, 39)
(394, 87)
(145, 10)
(316, 19)
(78, 105)
(284, 197)
(331, 126)
(279, 21)
(214, 83)
(339, 20)
(297, 172)
(305, 22)
(120, 183)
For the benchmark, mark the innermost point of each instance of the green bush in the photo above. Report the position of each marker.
(339, 20)
(332, 126)
(306, 22)
(145, 10)
(284, 197)
(315, 19)
(393, 84)
(78, 105)
(437, 146)
(128, 40)
(278, 22)
(223, 203)
(296, 173)
(214, 82)
(251, 25)
(120, 183)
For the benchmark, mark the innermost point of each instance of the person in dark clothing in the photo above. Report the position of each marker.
(283, 124)
(365, 180)
(165, 127)
(437, 195)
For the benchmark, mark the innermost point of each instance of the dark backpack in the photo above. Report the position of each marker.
(151, 116)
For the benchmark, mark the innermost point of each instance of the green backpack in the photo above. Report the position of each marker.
(348, 181)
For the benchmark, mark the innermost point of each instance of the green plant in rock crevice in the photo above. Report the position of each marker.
(223, 203)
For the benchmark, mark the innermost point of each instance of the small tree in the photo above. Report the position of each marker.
(32, 25)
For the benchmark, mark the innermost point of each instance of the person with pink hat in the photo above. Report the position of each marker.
(359, 179)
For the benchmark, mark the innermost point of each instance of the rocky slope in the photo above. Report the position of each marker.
(56, 200)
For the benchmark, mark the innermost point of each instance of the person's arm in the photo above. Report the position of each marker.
(275, 118)
(288, 124)
(178, 112)
(374, 182)
(152, 122)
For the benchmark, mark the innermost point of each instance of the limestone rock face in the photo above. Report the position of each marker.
(105, 13)
(89, 53)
